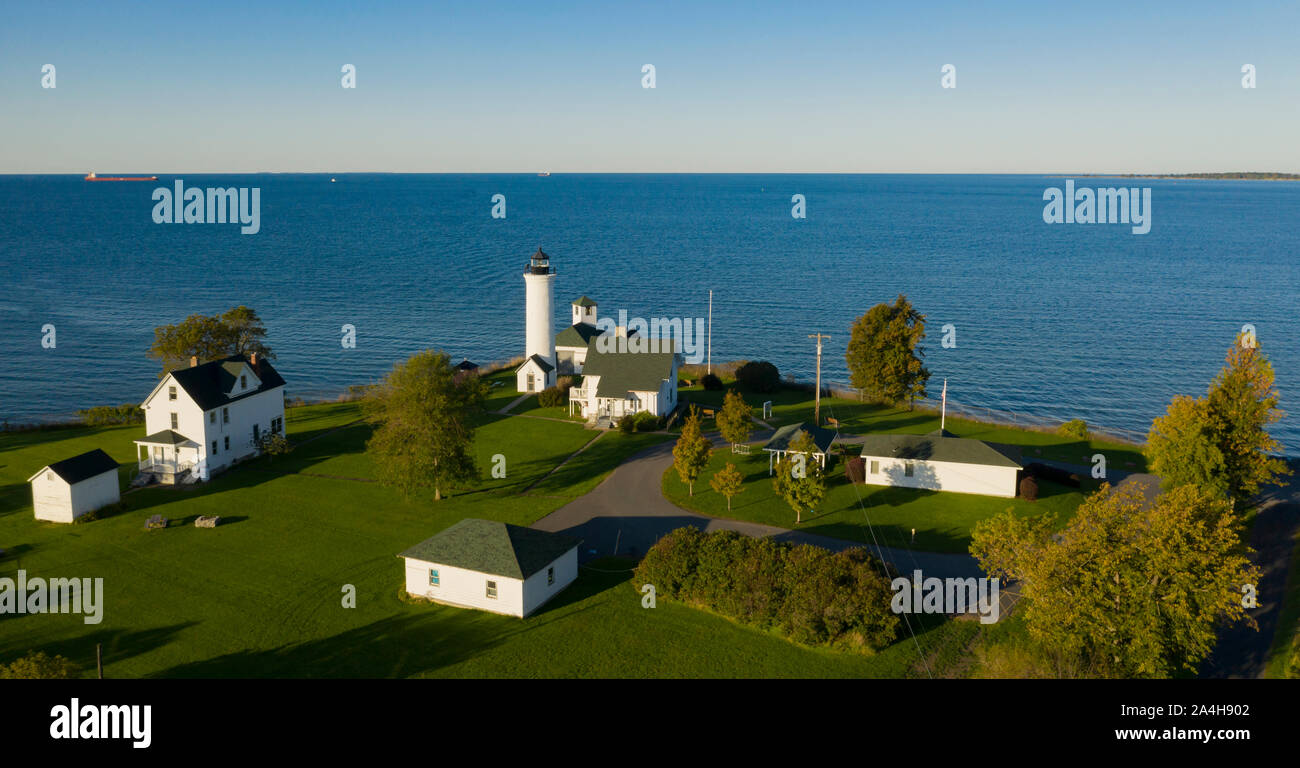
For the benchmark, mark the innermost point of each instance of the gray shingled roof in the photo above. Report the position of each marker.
(81, 467)
(497, 549)
(578, 335)
(780, 440)
(935, 447)
(165, 437)
(208, 383)
(627, 371)
(541, 363)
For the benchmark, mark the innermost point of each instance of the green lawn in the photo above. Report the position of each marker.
(943, 521)
(1286, 640)
(261, 594)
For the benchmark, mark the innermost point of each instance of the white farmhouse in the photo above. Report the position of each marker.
(622, 376)
(68, 489)
(939, 461)
(201, 419)
(492, 566)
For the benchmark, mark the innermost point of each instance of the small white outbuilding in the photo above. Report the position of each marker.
(68, 489)
(492, 566)
(939, 461)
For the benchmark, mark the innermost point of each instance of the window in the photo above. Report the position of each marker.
(171, 393)
(433, 577)
(225, 415)
(277, 425)
(492, 590)
(214, 447)
(175, 421)
(550, 576)
(227, 442)
(875, 467)
(243, 382)
(257, 434)
(212, 417)
(908, 469)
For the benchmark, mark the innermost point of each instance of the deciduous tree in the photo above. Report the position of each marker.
(735, 420)
(799, 478)
(728, 481)
(884, 354)
(692, 451)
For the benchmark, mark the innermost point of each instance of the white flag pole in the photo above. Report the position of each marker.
(943, 412)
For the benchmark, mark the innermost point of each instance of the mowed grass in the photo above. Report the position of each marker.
(262, 594)
(1286, 640)
(864, 514)
(791, 405)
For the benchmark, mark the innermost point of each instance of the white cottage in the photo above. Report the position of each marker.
(939, 461)
(201, 419)
(492, 566)
(623, 376)
(68, 489)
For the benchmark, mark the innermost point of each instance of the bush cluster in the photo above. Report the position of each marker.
(1076, 428)
(106, 415)
(809, 595)
(759, 376)
(711, 382)
(641, 421)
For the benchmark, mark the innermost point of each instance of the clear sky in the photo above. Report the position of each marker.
(744, 87)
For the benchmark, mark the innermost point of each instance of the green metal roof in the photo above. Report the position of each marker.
(583, 301)
(541, 363)
(936, 447)
(497, 549)
(780, 440)
(576, 335)
(626, 371)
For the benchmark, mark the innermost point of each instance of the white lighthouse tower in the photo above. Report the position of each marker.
(538, 371)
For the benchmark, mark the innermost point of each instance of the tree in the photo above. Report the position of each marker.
(692, 452)
(884, 353)
(759, 376)
(424, 434)
(1129, 589)
(799, 478)
(39, 666)
(728, 481)
(238, 331)
(1182, 448)
(1241, 404)
(735, 419)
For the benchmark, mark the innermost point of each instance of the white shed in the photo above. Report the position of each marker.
(68, 489)
(939, 461)
(492, 566)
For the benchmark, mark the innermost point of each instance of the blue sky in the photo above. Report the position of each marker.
(745, 87)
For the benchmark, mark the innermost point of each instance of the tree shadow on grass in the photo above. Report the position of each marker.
(118, 645)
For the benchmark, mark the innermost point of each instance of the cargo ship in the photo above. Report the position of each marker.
(92, 177)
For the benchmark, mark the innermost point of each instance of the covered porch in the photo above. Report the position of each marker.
(166, 457)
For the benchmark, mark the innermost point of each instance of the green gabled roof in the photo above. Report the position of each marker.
(576, 335)
(583, 301)
(936, 446)
(626, 371)
(497, 549)
(780, 440)
(541, 363)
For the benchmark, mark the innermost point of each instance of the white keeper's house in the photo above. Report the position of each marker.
(68, 489)
(939, 461)
(622, 373)
(201, 419)
(492, 566)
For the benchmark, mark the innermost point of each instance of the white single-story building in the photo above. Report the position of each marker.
(939, 461)
(492, 566)
(199, 420)
(779, 444)
(68, 489)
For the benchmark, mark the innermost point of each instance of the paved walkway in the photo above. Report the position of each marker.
(627, 514)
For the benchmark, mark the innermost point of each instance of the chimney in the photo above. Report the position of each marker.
(194, 361)
(253, 359)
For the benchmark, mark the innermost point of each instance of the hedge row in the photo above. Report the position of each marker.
(808, 594)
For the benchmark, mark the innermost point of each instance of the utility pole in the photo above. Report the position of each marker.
(710, 353)
(817, 408)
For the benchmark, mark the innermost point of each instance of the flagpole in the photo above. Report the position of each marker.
(710, 352)
(943, 409)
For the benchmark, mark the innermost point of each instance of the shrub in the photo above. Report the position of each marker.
(711, 382)
(1076, 428)
(760, 376)
(104, 415)
(627, 424)
(39, 666)
(810, 595)
(552, 397)
(646, 421)
(855, 468)
(1029, 489)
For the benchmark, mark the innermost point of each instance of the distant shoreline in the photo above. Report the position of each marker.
(1232, 176)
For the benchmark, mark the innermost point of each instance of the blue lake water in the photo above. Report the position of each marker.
(1062, 321)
